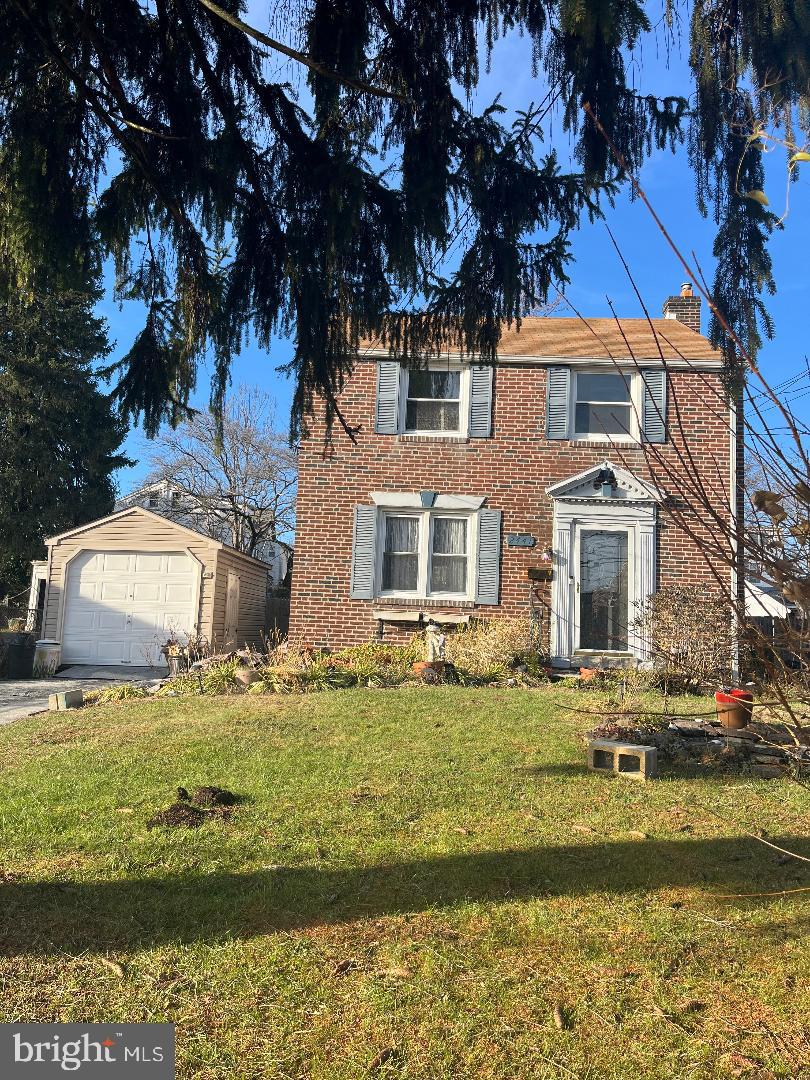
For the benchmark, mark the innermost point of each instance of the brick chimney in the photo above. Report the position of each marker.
(685, 308)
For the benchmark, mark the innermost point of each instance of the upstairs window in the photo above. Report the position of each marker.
(603, 405)
(433, 401)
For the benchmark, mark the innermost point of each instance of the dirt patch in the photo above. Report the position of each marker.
(178, 815)
(190, 811)
(214, 796)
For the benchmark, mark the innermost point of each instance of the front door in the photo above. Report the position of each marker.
(601, 581)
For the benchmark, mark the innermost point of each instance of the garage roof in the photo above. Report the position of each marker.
(153, 517)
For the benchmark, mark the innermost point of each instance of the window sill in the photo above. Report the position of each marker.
(421, 603)
(419, 437)
(589, 441)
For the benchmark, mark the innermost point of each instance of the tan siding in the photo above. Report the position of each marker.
(133, 532)
(252, 598)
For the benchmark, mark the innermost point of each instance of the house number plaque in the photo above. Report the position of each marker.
(520, 540)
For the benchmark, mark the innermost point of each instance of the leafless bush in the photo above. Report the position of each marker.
(690, 635)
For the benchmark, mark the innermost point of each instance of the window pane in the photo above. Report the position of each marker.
(400, 559)
(449, 536)
(449, 574)
(434, 384)
(401, 534)
(400, 572)
(603, 420)
(607, 386)
(431, 416)
(603, 606)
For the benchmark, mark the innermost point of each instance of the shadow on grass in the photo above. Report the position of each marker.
(58, 916)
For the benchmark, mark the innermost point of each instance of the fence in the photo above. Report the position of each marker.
(277, 612)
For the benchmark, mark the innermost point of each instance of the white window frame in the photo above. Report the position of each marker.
(463, 402)
(425, 519)
(636, 400)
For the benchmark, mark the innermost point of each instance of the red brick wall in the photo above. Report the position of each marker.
(512, 470)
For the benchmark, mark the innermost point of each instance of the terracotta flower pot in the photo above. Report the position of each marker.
(734, 708)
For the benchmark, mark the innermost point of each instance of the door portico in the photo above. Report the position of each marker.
(604, 564)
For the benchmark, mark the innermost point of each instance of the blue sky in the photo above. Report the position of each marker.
(596, 274)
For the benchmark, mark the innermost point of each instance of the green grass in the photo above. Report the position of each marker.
(448, 843)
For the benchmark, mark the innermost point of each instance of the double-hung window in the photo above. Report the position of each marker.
(604, 405)
(433, 402)
(400, 569)
(426, 555)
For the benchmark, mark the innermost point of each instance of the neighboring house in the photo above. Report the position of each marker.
(116, 589)
(475, 492)
(163, 498)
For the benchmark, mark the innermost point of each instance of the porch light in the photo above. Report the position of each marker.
(606, 480)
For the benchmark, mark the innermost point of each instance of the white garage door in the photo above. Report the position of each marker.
(122, 606)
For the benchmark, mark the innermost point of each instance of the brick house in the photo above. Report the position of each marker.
(534, 487)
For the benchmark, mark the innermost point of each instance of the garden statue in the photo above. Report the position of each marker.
(434, 640)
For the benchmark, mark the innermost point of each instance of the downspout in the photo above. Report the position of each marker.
(43, 630)
(736, 484)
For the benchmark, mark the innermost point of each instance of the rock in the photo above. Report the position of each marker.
(759, 758)
(767, 772)
(688, 727)
(741, 734)
(246, 675)
(737, 739)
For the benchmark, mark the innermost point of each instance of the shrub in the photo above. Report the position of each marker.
(491, 650)
(221, 678)
(112, 695)
(689, 628)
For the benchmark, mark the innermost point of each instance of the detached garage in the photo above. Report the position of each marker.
(118, 588)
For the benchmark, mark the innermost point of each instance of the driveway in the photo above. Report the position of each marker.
(24, 697)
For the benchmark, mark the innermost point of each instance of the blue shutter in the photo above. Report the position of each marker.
(488, 571)
(654, 406)
(558, 402)
(480, 402)
(386, 413)
(364, 545)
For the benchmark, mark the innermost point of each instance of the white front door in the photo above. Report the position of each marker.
(604, 583)
(604, 569)
(122, 606)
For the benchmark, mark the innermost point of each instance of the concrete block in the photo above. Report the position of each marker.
(623, 759)
(70, 699)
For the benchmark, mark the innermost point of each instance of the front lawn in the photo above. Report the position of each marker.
(417, 881)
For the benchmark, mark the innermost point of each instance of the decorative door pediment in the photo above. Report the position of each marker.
(587, 486)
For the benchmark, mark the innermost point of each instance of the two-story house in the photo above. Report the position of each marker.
(534, 487)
